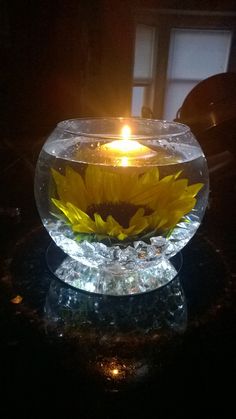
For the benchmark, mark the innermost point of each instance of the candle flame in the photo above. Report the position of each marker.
(125, 149)
(125, 145)
(126, 132)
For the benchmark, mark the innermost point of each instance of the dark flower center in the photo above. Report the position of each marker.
(120, 211)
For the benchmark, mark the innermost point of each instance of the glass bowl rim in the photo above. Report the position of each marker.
(183, 129)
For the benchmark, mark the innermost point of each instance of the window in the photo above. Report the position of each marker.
(194, 55)
(173, 53)
(144, 61)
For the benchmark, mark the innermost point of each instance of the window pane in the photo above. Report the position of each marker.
(175, 95)
(144, 52)
(194, 56)
(198, 54)
(137, 100)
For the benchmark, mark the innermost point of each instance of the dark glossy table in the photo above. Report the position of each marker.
(167, 353)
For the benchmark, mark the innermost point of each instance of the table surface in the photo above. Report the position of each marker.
(166, 353)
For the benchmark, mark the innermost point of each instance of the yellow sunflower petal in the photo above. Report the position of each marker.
(150, 177)
(94, 184)
(70, 187)
(79, 215)
(83, 228)
(113, 227)
(100, 224)
(173, 219)
(112, 186)
(140, 226)
(170, 198)
(90, 183)
(177, 174)
(64, 209)
(77, 192)
(184, 205)
(149, 195)
(155, 221)
(136, 217)
(193, 190)
(138, 222)
(129, 181)
(60, 181)
(75, 216)
(122, 236)
(178, 188)
(146, 181)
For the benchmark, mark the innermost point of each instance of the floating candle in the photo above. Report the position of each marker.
(125, 148)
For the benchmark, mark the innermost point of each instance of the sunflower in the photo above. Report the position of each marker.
(122, 204)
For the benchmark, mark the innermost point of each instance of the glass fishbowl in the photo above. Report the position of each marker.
(120, 198)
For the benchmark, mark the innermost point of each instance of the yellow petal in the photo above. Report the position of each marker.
(184, 205)
(61, 184)
(70, 188)
(112, 186)
(78, 213)
(64, 209)
(178, 188)
(100, 224)
(192, 190)
(77, 193)
(150, 177)
(94, 184)
(170, 198)
(83, 228)
(137, 216)
(173, 219)
(122, 236)
(155, 221)
(129, 182)
(140, 226)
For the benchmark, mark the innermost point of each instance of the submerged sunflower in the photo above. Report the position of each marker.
(122, 204)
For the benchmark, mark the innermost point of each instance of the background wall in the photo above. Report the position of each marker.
(63, 59)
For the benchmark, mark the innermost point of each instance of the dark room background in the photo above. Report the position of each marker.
(74, 58)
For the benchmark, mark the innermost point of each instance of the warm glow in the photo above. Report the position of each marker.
(125, 148)
(125, 132)
(124, 161)
(115, 371)
(16, 300)
(130, 147)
